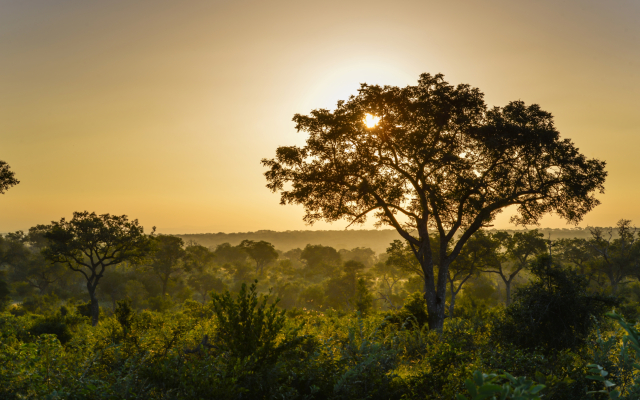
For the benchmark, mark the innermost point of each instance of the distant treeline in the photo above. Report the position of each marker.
(377, 240)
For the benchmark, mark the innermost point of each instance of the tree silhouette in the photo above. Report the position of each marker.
(320, 260)
(519, 250)
(263, 253)
(168, 258)
(90, 243)
(577, 252)
(29, 264)
(619, 258)
(478, 253)
(7, 177)
(438, 158)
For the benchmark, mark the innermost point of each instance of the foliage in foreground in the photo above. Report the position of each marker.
(245, 347)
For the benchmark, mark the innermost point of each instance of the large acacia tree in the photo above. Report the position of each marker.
(438, 162)
(90, 243)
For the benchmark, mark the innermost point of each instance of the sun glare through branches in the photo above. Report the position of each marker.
(371, 120)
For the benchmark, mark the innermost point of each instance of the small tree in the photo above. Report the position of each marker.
(263, 253)
(478, 253)
(617, 259)
(401, 256)
(167, 258)
(519, 250)
(114, 286)
(89, 244)
(437, 158)
(320, 260)
(576, 252)
(225, 253)
(389, 275)
(200, 261)
(345, 289)
(248, 327)
(28, 262)
(198, 257)
(554, 312)
(205, 282)
(361, 254)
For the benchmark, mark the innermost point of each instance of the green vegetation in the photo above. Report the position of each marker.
(321, 323)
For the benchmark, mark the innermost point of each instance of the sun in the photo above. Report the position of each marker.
(370, 120)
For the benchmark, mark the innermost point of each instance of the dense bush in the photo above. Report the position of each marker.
(53, 326)
(248, 327)
(244, 347)
(553, 313)
(413, 313)
(4, 292)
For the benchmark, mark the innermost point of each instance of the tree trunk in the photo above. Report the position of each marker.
(435, 311)
(614, 287)
(433, 295)
(434, 292)
(95, 307)
(507, 285)
(164, 285)
(452, 303)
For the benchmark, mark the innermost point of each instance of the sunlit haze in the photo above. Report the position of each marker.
(162, 110)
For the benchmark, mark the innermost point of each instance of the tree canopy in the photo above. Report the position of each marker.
(513, 253)
(168, 258)
(263, 253)
(90, 243)
(437, 158)
(7, 177)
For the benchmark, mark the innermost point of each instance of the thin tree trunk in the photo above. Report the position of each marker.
(452, 303)
(95, 307)
(508, 292)
(614, 287)
(164, 285)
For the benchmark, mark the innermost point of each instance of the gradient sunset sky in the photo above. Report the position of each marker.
(162, 110)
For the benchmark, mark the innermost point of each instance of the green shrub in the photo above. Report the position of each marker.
(84, 309)
(553, 313)
(125, 315)
(368, 364)
(160, 303)
(363, 298)
(627, 364)
(5, 300)
(40, 304)
(413, 313)
(484, 386)
(54, 326)
(247, 327)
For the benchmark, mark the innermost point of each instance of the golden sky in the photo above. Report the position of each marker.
(162, 110)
